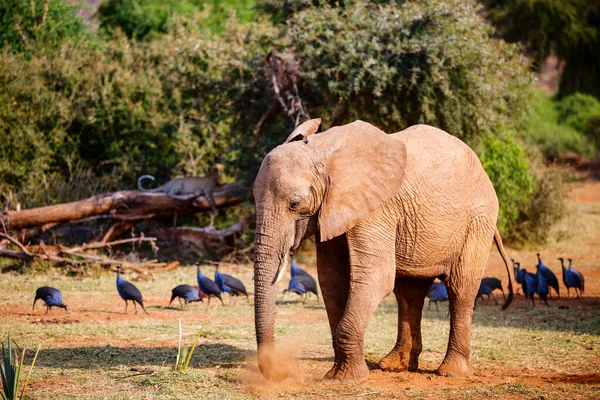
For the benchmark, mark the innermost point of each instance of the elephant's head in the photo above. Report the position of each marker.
(322, 184)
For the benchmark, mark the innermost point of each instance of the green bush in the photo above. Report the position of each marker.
(546, 206)
(506, 164)
(554, 138)
(164, 107)
(139, 18)
(577, 110)
(397, 65)
(36, 25)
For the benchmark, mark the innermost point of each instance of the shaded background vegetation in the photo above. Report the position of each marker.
(173, 87)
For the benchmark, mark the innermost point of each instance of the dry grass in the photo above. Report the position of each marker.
(97, 352)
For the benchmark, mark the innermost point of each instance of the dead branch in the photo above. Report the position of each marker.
(43, 21)
(15, 255)
(199, 241)
(101, 245)
(81, 259)
(259, 127)
(272, 60)
(285, 73)
(16, 243)
(21, 33)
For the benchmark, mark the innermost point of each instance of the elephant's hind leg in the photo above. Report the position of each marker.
(333, 267)
(462, 284)
(410, 295)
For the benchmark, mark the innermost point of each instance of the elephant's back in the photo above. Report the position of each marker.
(436, 148)
(456, 169)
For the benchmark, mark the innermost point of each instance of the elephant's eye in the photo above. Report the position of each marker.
(295, 202)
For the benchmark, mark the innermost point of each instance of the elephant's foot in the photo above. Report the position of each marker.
(331, 373)
(356, 372)
(398, 361)
(454, 365)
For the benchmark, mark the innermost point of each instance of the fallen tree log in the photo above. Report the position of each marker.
(126, 205)
(199, 241)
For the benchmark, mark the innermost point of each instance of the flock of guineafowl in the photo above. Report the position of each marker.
(531, 283)
(302, 283)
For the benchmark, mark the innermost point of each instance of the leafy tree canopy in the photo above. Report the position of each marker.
(570, 29)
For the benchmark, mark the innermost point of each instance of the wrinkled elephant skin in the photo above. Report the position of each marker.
(390, 213)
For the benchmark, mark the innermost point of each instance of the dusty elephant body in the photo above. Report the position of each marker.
(391, 213)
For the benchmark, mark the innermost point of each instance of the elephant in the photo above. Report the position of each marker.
(390, 212)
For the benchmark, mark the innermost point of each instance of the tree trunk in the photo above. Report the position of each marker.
(126, 205)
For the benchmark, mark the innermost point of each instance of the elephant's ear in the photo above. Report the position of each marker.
(365, 168)
(304, 130)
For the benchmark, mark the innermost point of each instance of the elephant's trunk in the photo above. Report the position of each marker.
(271, 254)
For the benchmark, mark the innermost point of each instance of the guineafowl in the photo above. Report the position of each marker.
(51, 296)
(484, 289)
(302, 285)
(129, 292)
(529, 286)
(549, 275)
(207, 285)
(541, 285)
(311, 284)
(296, 286)
(493, 283)
(229, 284)
(437, 292)
(187, 293)
(569, 278)
(578, 281)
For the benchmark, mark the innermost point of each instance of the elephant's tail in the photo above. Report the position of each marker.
(498, 241)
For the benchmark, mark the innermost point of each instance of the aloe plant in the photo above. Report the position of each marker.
(184, 355)
(10, 371)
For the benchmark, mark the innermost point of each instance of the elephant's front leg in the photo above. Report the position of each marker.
(410, 295)
(372, 271)
(333, 267)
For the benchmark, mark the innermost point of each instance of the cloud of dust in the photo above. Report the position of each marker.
(283, 367)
